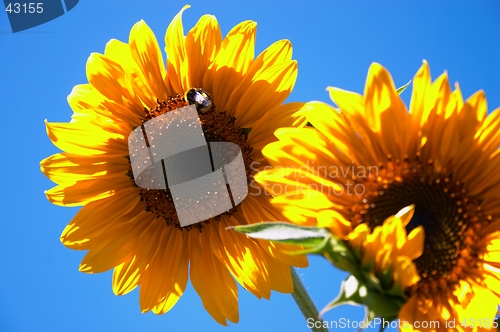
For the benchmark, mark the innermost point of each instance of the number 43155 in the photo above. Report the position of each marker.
(26, 8)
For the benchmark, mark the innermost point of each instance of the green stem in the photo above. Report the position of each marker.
(305, 303)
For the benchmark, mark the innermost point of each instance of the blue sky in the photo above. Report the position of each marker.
(334, 43)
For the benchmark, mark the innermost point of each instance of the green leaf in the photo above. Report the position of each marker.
(403, 88)
(349, 294)
(340, 255)
(285, 233)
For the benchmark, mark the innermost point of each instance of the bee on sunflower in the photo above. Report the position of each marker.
(135, 231)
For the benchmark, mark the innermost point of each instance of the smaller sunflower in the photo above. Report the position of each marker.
(388, 250)
(365, 161)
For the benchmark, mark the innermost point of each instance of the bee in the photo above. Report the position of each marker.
(201, 99)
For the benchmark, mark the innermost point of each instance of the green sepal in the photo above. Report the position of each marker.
(285, 233)
(372, 281)
(357, 292)
(349, 294)
(340, 255)
(379, 305)
(400, 90)
(386, 278)
(396, 290)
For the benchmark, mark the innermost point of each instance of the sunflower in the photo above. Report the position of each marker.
(368, 159)
(136, 231)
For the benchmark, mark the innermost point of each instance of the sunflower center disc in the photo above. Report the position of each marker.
(217, 127)
(449, 217)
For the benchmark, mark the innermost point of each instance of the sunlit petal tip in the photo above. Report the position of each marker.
(246, 27)
(84, 268)
(375, 67)
(405, 214)
(377, 70)
(137, 28)
(207, 21)
(177, 20)
(282, 47)
(378, 74)
(282, 43)
(417, 238)
(424, 67)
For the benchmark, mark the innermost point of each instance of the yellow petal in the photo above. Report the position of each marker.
(116, 245)
(335, 222)
(244, 258)
(278, 117)
(421, 83)
(178, 61)
(414, 245)
(172, 290)
(70, 168)
(86, 191)
(212, 281)
(127, 276)
(96, 217)
(147, 55)
(202, 45)
(278, 53)
(405, 272)
(268, 90)
(385, 110)
(159, 276)
(405, 214)
(107, 77)
(86, 140)
(137, 84)
(280, 276)
(110, 115)
(472, 114)
(231, 64)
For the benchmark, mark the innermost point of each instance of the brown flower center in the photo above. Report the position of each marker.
(451, 219)
(217, 127)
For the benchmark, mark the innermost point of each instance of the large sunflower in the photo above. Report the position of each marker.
(365, 161)
(136, 231)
